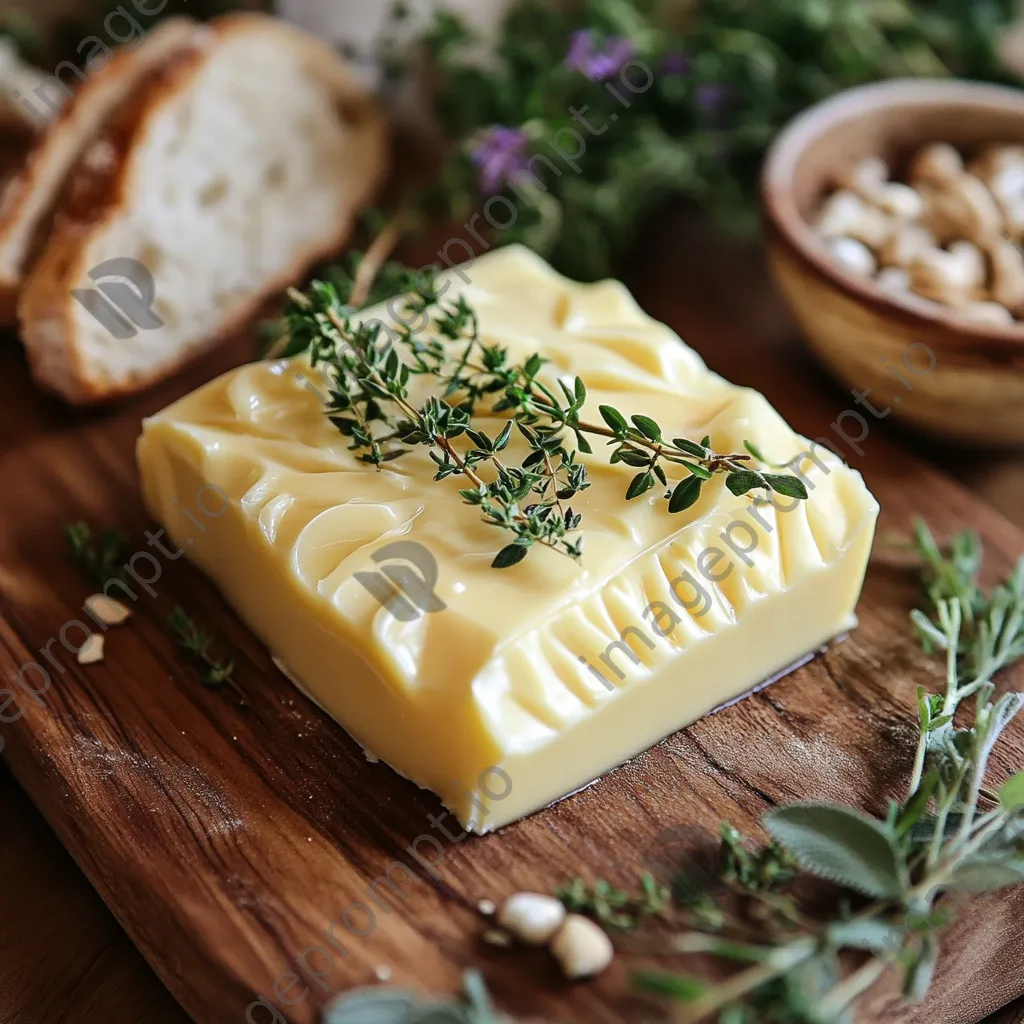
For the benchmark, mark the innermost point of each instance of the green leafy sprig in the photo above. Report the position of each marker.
(613, 907)
(895, 879)
(397, 1006)
(369, 402)
(196, 644)
(102, 560)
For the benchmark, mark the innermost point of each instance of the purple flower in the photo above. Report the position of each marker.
(597, 64)
(711, 97)
(499, 157)
(676, 63)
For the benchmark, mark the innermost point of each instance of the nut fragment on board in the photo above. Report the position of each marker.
(92, 650)
(107, 610)
(582, 948)
(531, 917)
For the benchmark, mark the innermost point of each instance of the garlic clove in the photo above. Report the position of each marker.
(582, 948)
(531, 917)
(852, 255)
(106, 609)
(92, 650)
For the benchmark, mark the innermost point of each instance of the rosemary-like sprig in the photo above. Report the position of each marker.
(196, 643)
(949, 836)
(369, 402)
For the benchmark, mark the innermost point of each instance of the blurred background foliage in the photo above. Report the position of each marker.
(728, 75)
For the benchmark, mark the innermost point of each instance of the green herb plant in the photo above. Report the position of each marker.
(725, 76)
(895, 879)
(196, 644)
(370, 403)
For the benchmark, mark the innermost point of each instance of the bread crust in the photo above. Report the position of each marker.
(30, 197)
(98, 195)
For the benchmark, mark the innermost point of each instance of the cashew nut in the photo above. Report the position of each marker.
(847, 214)
(905, 244)
(531, 917)
(1001, 168)
(852, 255)
(952, 276)
(938, 164)
(1007, 274)
(581, 948)
(865, 178)
(900, 201)
(963, 208)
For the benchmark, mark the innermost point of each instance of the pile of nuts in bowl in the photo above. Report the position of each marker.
(946, 242)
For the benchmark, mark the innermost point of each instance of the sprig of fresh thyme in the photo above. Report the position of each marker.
(196, 644)
(99, 560)
(948, 837)
(370, 403)
(614, 907)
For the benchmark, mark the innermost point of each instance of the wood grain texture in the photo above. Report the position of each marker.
(225, 840)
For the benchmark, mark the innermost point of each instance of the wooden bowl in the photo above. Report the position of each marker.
(949, 378)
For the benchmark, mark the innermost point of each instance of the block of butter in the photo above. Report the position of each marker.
(503, 690)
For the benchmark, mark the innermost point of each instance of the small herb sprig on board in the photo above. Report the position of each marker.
(396, 1006)
(370, 403)
(196, 644)
(613, 907)
(949, 837)
(102, 560)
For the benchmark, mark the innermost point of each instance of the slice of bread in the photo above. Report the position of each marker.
(239, 167)
(30, 197)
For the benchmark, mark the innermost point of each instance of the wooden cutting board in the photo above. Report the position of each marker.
(226, 840)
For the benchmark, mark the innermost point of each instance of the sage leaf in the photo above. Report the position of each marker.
(841, 845)
(987, 875)
(371, 1006)
(1011, 793)
(685, 494)
(675, 986)
(867, 934)
(921, 969)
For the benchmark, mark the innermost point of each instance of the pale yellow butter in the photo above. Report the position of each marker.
(514, 687)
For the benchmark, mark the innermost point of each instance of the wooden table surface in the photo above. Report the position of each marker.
(65, 960)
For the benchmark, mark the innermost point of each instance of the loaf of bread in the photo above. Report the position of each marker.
(32, 195)
(241, 160)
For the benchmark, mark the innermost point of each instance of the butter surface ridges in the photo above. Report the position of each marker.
(531, 681)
